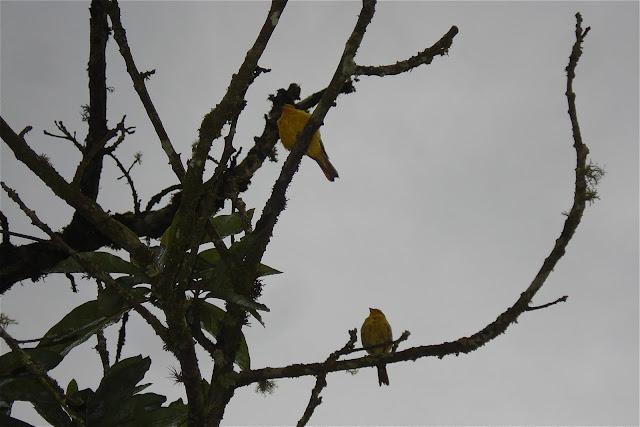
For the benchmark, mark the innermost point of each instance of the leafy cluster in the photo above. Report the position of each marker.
(118, 399)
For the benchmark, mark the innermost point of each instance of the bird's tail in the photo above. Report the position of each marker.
(329, 171)
(383, 378)
(322, 159)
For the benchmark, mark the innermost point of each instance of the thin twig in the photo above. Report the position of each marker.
(101, 348)
(538, 307)
(313, 99)
(124, 131)
(90, 154)
(86, 207)
(394, 344)
(25, 131)
(122, 333)
(29, 341)
(72, 281)
(127, 176)
(120, 36)
(238, 204)
(24, 236)
(156, 198)
(227, 152)
(65, 135)
(321, 380)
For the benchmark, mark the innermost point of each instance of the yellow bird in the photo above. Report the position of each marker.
(290, 124)
(376, 330)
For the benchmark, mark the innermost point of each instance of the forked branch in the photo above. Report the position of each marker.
(582, 194)
(120, 36)
(321, 380)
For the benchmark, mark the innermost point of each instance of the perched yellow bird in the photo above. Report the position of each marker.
(376, 330)
(290, 124)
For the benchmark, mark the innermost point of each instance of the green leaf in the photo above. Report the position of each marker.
(228, 225)
(27, 389)
(211, 256)
(5, 407)
(243, 360)
(120, 379)
(210, 318)
(179, 406)
(232, 297)
(72, 388)
(113, 402)
(18, 384)
(169, 234)
(53, 414)
(87, 319)
(218, 281)
(11, 365)
(107, 262)
(158, 417)
(215, 270)
(129, 282)
(211, 268)
(117, 400)
(265, 270)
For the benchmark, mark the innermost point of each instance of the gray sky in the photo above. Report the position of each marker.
(453, 180)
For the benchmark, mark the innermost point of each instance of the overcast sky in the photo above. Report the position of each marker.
(453, 181)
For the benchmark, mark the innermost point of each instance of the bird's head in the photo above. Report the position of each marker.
(288, 108)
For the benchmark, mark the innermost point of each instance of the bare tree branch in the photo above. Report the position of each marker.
(122, 333)
(72, 282)
(198, 200)
(441, 47)
(89, 181)
(210, 129)
(91, 269)
(174, 303)
(32, 260)
(4, 223)
(277, 202)
(156, 198)
(582, 194)
(65, 135)
(90, 210)
(101, 348)
(127, 176)
(21, 235)
(120, 36)
(321, 381)
(90, 154)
